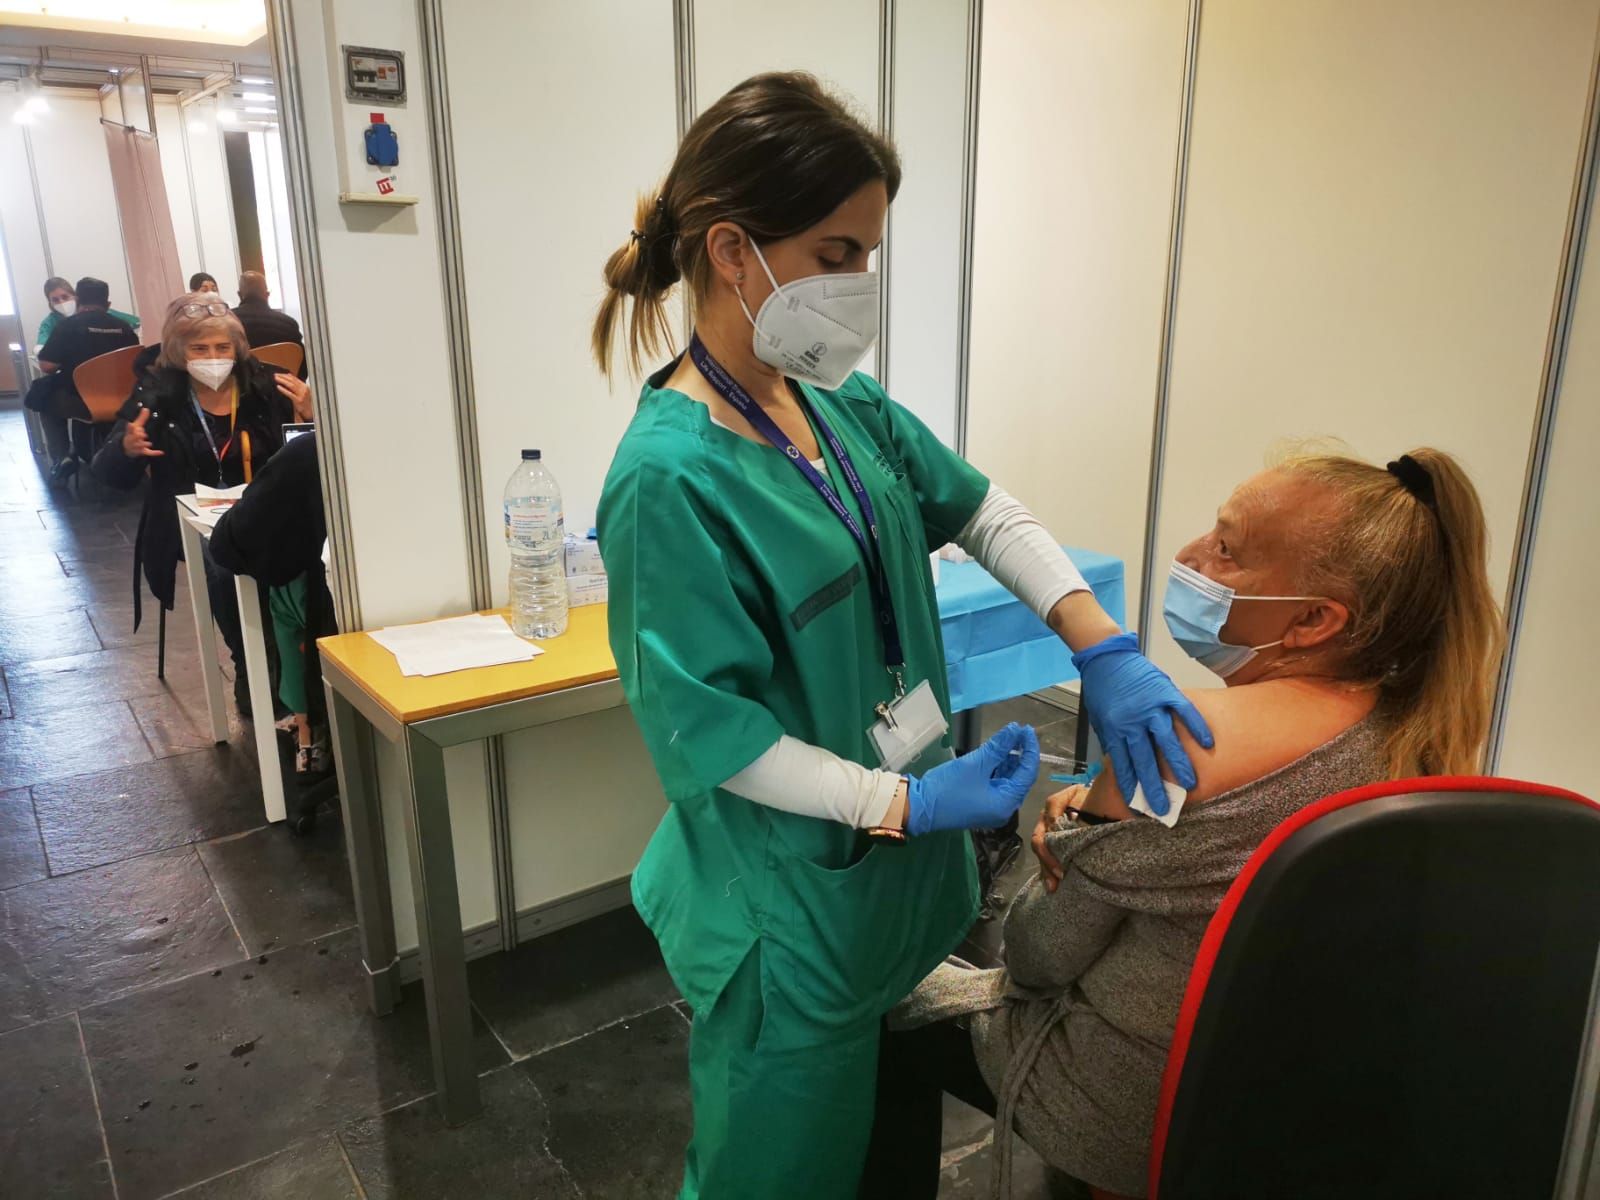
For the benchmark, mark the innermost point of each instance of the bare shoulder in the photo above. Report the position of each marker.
(1256, 729)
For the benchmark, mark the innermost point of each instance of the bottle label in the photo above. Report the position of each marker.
(531, 522)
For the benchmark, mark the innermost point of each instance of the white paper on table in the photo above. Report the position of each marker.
(205, 497)
(456, 644)
(1175, 798)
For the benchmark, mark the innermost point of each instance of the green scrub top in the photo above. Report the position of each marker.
(740, 611)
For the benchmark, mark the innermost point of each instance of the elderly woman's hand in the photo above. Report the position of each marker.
(299, 393)
(1050, 870)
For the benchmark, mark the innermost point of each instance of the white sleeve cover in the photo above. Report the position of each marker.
(1013, 546)
(798, 777)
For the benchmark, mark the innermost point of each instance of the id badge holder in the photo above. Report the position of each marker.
(908, 726)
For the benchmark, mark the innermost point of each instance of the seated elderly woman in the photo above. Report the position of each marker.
(203, 411)
(1348, 609)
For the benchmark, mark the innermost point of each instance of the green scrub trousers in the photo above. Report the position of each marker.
(740, 612)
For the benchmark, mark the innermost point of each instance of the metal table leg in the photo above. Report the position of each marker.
(205, 631)
(252, 599)
(438, 901)
(363, 833)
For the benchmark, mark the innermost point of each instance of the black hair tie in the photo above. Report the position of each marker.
(1414, 477)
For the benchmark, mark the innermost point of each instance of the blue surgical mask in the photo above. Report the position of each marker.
(1197, 608)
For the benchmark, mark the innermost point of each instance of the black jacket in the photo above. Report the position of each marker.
(275, 534)
(276, 530)
(186, 460)
(265, 326)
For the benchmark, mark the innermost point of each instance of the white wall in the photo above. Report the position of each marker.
(169, 139)
(395, 412)
(80, 208)
(532, 256)
(1077, 138)
(218, 244)
(924, 244)
(24, 246)
(1377, 195)
(1554, 706)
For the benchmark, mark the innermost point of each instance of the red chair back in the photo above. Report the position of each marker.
(1390, 1000)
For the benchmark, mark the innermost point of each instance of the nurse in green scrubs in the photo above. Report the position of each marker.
(766, 525)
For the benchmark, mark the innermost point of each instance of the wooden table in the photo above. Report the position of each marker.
(424, 715)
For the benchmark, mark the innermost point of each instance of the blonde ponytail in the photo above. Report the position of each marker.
(643, 270)
(1407, 551)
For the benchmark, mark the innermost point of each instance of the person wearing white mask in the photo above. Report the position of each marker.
(202, 411)
(63, 301)
(766, 525)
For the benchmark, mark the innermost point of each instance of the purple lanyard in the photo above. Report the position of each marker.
(882, 599)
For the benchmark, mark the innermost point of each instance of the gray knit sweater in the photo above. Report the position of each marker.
(1072, 1034)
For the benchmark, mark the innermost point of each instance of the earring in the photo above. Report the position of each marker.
(739, 278)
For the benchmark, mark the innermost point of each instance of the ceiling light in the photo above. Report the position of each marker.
(37, 104)
(271, 112)
(22, 117)
(267, 96)
(254, 81)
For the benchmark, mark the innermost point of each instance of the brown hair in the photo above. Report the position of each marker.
(775, 155)
(179, 329)
(1406, 549)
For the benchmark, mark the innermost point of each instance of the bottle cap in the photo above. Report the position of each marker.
(530, 455)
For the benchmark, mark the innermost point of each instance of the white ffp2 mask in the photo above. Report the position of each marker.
(817, 328)
(66, 307)
(212, 372)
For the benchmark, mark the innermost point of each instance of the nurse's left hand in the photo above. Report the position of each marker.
(1131, 703)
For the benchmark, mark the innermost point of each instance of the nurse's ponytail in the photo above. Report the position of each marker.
(775, 156)
(1406, 549)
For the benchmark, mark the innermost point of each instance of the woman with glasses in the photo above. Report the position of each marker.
(203, 411)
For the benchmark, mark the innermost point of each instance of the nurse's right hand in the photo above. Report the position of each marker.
(979, 790)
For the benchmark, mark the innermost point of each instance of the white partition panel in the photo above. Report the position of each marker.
(599, 127)
(1377, 199)
(19, 220)
(180, 197)
(547, 192)
(1555, 688)
(836, 40)
(80, 210)
(218, 243)
(381, 281)
(1077, 137)
(924, 252)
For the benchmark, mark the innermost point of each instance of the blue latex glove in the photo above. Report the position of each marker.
(1131, 702)
(979, 790)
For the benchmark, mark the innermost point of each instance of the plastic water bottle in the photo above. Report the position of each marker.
(536, 537)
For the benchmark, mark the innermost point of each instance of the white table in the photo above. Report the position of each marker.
(196, 524)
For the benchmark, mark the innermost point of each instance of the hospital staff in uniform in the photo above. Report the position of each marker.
(766, 525)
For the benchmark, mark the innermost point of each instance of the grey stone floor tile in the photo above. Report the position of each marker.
(56, 745)
(125, 673)
(180, 722)
(311, 1170)
(47, 635)
(24, 523)
(21, 850)
(561, 986)
(113, 621)
(77, 939)
(90, 820)
(50, 1142)
(220, 1069)
(410, 1153)
(625, 1086)
(968, 1179)
(283, 889)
